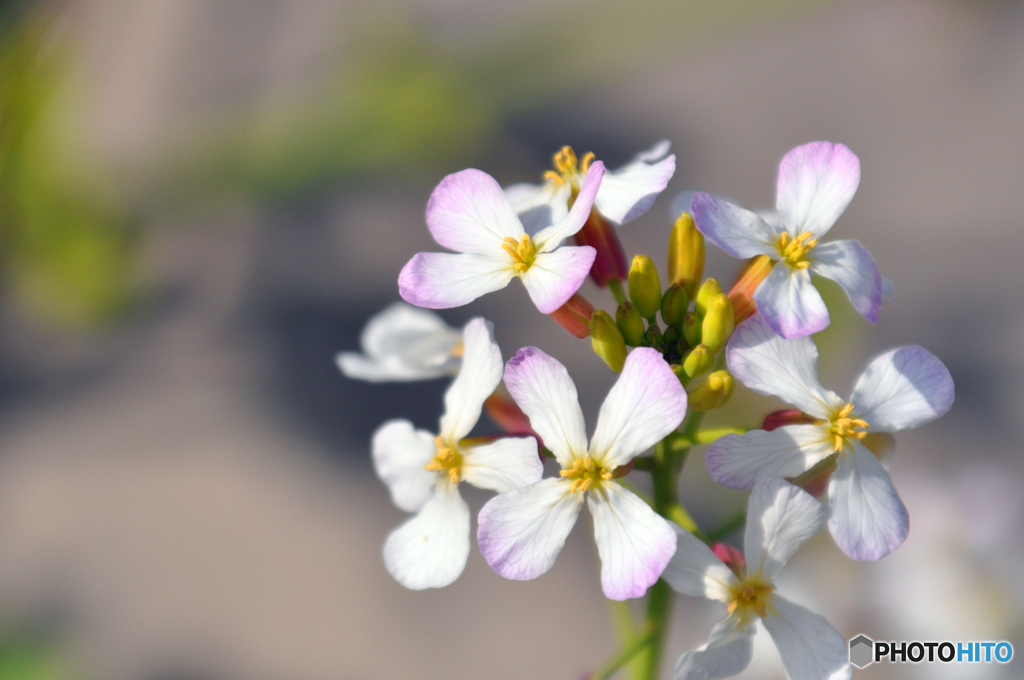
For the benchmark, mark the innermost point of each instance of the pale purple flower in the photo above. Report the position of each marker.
(816, 183)
(901, 389)
(522, 531)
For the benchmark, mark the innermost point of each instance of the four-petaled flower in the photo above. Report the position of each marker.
(423, 471)
(901, 389)
(816, 183)
(468, 213)
(522, 531)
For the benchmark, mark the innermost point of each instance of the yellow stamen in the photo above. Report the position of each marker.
(459, 349)
(794, 250)
(447, 459)
(844, 427)
(523, 253)
(568, 169)
(751, 595)
(585, 473)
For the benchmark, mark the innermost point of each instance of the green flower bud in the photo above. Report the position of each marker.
(713, 392)
(671, 335)
(645, 286)
(718, 322)
(692, 329)
(708, 290)
(653, 336)
(686, 254)
(699, 360)
(630, 324)
(607, 340)
(674, 305)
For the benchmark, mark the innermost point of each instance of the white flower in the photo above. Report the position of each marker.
(423, 471)
(780, 519)
(404, 343)
(816, 182)
(521, 532)
(899, 390)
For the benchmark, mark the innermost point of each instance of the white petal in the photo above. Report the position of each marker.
(851, 265)
(480, 374)
(555, 276)
(360, 367)
(654, 154)
(634, 542)
(521, 532)
(400, 453)
(539, 206)
(503, 465)
(548, 239)
(816, 183)
(738, 232)
(727, 653)
(736, 461)
(628, 192)
(790, 303)
(543, 389)
(430, 550)
(780, 518)
(810, 648)
(867, 518)
(468, 212)
(445, 280)
(902, 389)
(788, 369)
(645, 404)
(696, 571)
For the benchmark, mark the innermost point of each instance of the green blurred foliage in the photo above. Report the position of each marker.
(26, 656)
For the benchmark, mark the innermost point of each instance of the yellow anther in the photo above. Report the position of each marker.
(585, 162)
(751, 595)
(568, 169)
(844, 427)
(523, 252)
(459, 349)
(565, 161)
(585, 473)
(794, 250)
(447, 459)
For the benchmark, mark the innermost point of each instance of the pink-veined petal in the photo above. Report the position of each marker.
(816, 183)
(430, 550)
(554, 277)
(867, 517)
(628, 192)
(810, 648)
(503, 465)
(634, 542)
(468, 212)
(902, 389)
(521, 532)
(696, 571)
(480, 374)
(445, 280)
(543, 389)
(851, 265)
(736, 461)
(645, 404)
(548, 239)
(728, 652)
(788, 369)
(400, 453)
(539, 206)
(739, 232)
(780, 518)
(790, 303)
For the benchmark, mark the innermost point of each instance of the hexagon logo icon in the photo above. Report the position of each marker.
(861, 651)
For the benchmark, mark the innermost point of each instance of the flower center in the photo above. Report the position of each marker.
(794, 250)
(447, 460)
(844, 428)
(751, 595)
(567, 169)
(585, 473)
(522, 252)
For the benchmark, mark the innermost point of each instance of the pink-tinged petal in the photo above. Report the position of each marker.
(627, 193)
(645, 404)
(850, 264)
(503, 465)
(634, 542)
(445, 280)
(736, 461)
(790, 303)
(771, 365)
(696, 571)
(399, 454)
(430, 550)
(727, 652)
(548, 239)
(816, 183)
(543, 389)
(867, 517)
(780, 518)
(480, 374)
(539, 206)
(468, 212)
(554, 277)
(810, 648)
(902, 389)
(738, 232)
(521, 532)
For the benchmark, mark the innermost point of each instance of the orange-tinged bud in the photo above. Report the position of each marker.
(686, 255)
(574, 315)
(610, 262)
(732, 558)
(742, 294)
(506, 414)
(787, 416)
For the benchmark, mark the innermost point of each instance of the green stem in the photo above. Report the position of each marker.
(622, 658)
(706, 437)
(616, 287)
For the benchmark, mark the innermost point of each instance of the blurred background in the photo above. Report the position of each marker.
(202, 202)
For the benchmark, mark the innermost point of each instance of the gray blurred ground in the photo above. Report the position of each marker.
(189, 496)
